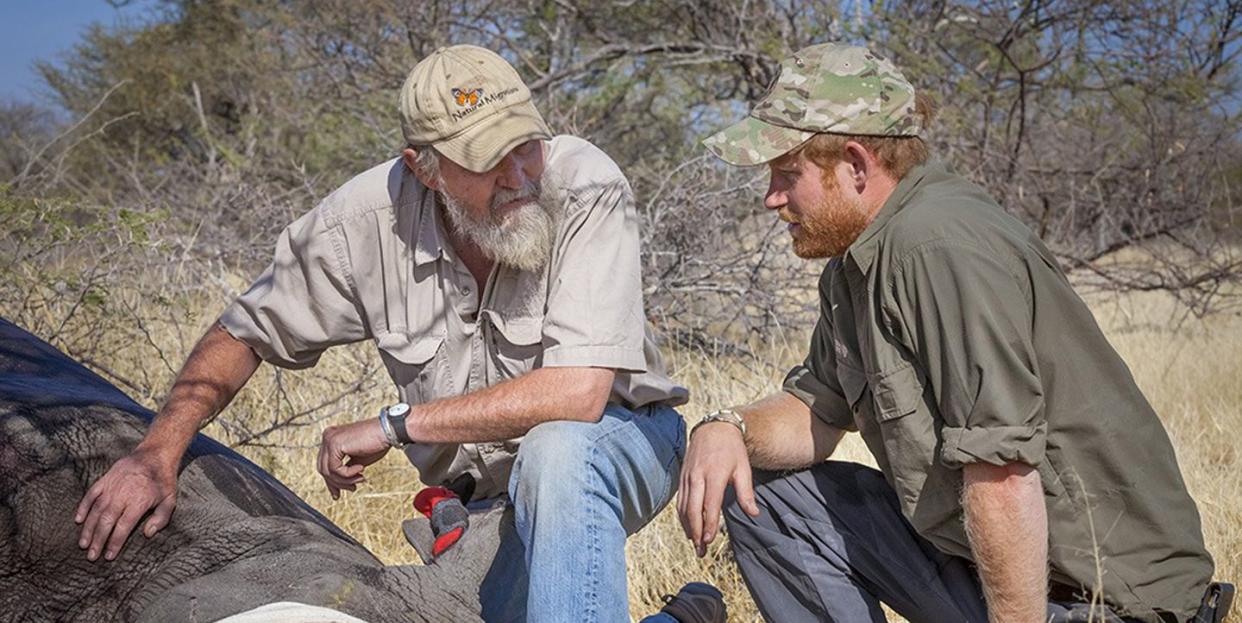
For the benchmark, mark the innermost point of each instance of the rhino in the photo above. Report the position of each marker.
(239, 539)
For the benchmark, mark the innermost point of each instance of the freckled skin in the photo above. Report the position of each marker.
(238, 539)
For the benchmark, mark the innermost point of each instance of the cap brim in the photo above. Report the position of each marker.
(754, 142)
(483, 145)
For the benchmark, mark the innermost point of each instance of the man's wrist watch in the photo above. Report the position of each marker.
(392, 421)
(723, 415)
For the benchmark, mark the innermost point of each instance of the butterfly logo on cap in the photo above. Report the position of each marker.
(467, 97)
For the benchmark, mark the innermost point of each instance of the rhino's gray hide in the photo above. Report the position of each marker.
(238, 538)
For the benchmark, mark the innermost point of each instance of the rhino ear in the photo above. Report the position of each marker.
(471, 558)
(418, 534)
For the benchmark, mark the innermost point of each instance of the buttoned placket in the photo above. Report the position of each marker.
(477, 326)
(487, 450)
(847, 339)
(466, 306)
(858, 297)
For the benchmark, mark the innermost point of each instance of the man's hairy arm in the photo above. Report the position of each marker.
(513, 407)
(502, 411)
(216, 369)
(781, 433)
(1007, 524)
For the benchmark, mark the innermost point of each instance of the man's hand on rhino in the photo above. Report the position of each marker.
(116, 502)
(362, 443)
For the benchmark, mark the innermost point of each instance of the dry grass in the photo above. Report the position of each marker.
(1190, 371)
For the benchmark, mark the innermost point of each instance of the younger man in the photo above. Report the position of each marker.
(1022, 474)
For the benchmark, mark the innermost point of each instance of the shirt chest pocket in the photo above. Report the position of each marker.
(879, 403)
(908, 433)
(415, 363)
(897, 392)
(928, 490)
(514, 345)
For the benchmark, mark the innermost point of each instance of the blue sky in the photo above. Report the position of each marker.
(33, 30)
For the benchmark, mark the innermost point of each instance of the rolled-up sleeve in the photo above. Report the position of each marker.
(303, 302)
(594, 314)
(966, 315)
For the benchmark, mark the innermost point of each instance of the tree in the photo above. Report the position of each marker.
(1104, 126)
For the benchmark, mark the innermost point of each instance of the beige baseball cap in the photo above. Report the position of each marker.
(470, 105)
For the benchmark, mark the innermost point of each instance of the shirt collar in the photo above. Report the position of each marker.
(862, 250)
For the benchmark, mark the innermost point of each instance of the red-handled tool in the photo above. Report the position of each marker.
(447, 513)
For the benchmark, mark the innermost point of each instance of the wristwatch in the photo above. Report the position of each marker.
(392, 422)
(723, 415)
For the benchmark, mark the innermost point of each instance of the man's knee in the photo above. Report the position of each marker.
(556, 437)
(747, 533)
(845, 483)
(553, 458)
(825, 482)
(735, 517)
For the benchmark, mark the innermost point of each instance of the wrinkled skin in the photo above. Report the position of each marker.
(238, 539)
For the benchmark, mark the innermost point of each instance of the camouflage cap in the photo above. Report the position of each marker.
(829, 87)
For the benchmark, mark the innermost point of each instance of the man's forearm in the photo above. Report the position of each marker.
(216, 369)
(782, 433)
(510, 409)
(1008, 528)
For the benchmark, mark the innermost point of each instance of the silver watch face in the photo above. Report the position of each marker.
(398, 409)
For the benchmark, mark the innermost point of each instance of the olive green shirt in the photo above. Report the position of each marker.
(372, 262)
(948, 336)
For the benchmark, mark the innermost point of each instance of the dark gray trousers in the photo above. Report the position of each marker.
(830, 543)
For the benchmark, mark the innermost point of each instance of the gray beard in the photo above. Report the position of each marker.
(521, 239)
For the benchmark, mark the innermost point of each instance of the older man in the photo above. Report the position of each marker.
(496, 267)
(1022, 473)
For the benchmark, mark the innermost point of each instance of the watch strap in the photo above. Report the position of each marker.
(723, 415)
(396, 415)
(394, 420)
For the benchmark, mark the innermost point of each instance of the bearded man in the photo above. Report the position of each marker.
(496, 268)
(1023, 477)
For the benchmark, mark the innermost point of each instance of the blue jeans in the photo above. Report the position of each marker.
(578, 490)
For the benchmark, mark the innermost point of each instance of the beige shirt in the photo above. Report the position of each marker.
(372, 262)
